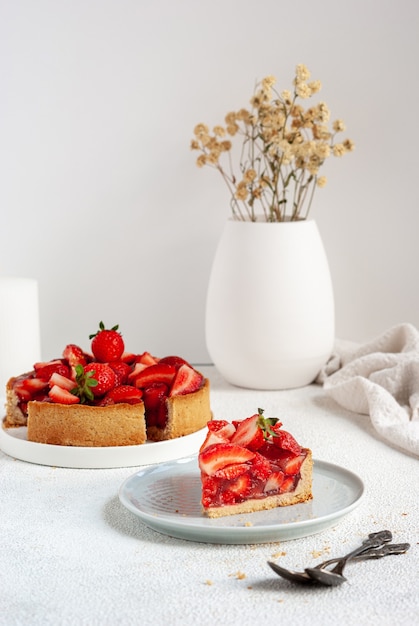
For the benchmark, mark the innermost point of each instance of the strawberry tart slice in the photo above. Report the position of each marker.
(252, 465)
(109, 397)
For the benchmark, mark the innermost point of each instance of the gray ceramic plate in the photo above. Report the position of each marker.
(167, 499)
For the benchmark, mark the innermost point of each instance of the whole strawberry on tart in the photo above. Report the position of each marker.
(108, 397)
(252, 465)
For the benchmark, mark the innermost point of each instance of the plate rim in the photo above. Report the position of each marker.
(242, 533)
(104, 457)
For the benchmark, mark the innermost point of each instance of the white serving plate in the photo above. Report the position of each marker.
(13, 441)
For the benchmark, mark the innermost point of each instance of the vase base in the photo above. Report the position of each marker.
(273, 376)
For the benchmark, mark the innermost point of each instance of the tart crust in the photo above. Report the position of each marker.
(82, 425)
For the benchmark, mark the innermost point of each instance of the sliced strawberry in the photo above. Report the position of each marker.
(136, 369)
(222, 428)
(221, 455)
(274, 482)
(249, 433)
(26, 388)
(37, 366)
(187, 380)
(210, 439)
(291, 464)
(103, 374)
(218, 431)
(261, 467)
(128, 357)
(232, 471)
(177, 361)
(125, 393)
(75, 355)
(122, 371)
(33, 385)
(215, 425)
(45, 370)
(265, 423)
(146, 359)
(22, 393)
(241, 487)
(159, 373)
(288, 484)
(61, 381)
(284, 440)
(62, 396)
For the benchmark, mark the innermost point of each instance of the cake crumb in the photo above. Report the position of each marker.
(317, 553)
(239, 575)
(248, 524)
(276, 555)
(209, 582)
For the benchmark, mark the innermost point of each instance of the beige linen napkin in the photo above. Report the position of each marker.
(380, 379)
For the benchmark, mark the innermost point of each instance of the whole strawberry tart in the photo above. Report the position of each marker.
(252, 465)
(109, 397)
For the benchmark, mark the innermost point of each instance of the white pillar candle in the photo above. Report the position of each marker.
(20, 341)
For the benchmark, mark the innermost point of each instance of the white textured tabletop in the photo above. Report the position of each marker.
(70, 553)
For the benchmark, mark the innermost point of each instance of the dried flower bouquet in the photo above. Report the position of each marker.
(283, 148)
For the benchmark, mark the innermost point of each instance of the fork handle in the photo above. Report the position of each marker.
(370, 553)
(374, 540)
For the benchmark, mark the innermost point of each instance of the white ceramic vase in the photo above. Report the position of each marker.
(270, 308)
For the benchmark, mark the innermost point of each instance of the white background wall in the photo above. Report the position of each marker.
(100, 197)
